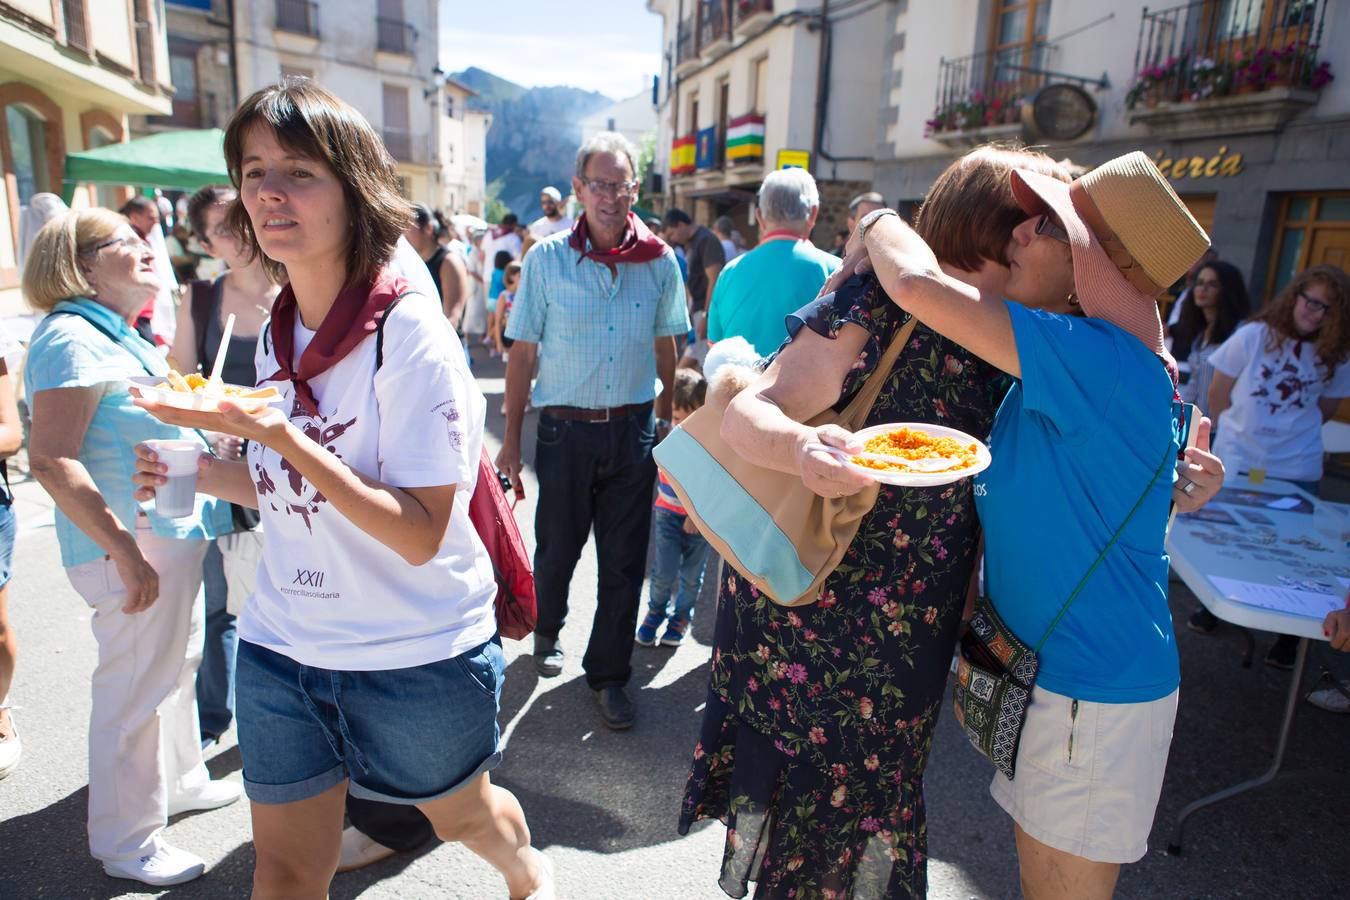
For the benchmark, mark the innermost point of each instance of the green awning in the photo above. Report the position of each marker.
(173, 160)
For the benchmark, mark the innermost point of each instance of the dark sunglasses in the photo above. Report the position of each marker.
(1047, 226)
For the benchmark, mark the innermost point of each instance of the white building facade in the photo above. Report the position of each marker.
(70, 75)
(381, 56)
(1229, 97)
(750, 85)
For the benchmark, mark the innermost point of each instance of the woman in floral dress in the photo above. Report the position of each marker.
(820, 717)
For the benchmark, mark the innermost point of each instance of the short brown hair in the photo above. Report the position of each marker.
(204, 199)
(512, 268)
(52, 272)
(691, 389)
(1333, 338)
(311, 122)
(969, 214)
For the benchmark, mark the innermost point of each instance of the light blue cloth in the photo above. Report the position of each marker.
(758, 290)
(67, 351)
(1074, 444)
(595, 331)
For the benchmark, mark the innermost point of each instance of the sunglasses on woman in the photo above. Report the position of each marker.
(1050, 228)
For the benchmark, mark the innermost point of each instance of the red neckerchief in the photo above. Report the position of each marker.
(353, 316)
(638, 244)
(779, 234)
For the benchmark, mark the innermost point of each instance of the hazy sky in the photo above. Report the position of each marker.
(610, 46)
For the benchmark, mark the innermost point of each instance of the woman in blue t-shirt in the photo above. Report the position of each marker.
(1089, 423)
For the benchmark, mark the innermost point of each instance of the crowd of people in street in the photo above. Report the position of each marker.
(328, 596)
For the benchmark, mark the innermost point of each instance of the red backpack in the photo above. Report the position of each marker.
(496, 527)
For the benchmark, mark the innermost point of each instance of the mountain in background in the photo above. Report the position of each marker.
(534, 136)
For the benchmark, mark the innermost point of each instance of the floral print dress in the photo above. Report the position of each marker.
(819, 718)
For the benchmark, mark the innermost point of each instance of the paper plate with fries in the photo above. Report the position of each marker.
(198, 392)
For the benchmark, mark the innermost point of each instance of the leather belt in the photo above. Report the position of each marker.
(581, 414)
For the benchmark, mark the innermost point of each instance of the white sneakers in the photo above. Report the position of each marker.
(11, 746)
(213, 795)
(360, 850)
(166, 866)
(1328, 698)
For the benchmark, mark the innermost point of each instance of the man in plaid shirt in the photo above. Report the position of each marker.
(599, 307)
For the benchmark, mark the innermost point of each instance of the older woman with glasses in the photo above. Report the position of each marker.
(140, 573)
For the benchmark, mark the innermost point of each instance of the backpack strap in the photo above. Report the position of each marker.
(205, 300)
(379, 328)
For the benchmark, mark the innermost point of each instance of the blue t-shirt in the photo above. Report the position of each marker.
(495, 286)
(68, 351)
(758, 290)
(1076, 441)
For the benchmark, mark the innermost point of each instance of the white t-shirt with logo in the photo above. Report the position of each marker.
(330, 595)
(543, 226)
(1274, 422)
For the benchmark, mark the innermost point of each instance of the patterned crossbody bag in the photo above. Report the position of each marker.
(997, 671)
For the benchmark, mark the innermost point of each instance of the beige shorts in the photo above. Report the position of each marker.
(1088, 780)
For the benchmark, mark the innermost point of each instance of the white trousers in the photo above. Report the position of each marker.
(144, 741)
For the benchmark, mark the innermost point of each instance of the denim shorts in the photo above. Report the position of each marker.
(9, 530)
(401, 735)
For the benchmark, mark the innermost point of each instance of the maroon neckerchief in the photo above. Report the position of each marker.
(638, 244)
(353, 315)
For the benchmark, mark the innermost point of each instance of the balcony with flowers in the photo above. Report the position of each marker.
(1210, 68)
(981, 97)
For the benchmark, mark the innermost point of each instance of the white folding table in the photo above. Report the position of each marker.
(1266, 556)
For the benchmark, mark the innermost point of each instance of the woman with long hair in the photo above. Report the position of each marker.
(1276, 380)
(368, 653)
(1218, 304)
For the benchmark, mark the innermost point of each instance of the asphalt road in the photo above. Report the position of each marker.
(604, 805)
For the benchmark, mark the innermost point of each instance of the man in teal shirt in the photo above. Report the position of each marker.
(757, 290)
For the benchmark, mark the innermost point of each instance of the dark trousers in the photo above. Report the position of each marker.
(595, 475)
(215, 677)
(395, 825)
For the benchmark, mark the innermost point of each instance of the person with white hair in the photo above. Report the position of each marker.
(600, 308)
(759, 289)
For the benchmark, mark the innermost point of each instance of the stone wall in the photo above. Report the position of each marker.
(834, 198)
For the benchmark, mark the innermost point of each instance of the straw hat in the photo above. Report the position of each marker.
(1130, 234)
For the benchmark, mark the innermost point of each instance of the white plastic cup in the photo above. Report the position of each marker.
(177, 497)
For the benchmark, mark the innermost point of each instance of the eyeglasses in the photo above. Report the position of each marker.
(612, 188)
(1046, 226)
(1315, 306)
(133, 241)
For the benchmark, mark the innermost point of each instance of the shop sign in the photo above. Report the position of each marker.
(793, 159)
(1221, 165)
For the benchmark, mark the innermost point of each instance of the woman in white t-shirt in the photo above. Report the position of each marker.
(1276, 380)
(1280, 376)
(368, 653)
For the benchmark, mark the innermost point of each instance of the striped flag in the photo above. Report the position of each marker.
(745, 138)
(682, 155)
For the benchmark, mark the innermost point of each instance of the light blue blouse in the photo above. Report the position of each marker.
(69, 351)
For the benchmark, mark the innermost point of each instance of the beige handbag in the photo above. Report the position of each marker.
(781, 536)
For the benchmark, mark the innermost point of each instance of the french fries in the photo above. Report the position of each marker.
(194, 383)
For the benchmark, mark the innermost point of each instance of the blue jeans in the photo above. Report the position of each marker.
(678, 556)
(595, 475)
(215, 678)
